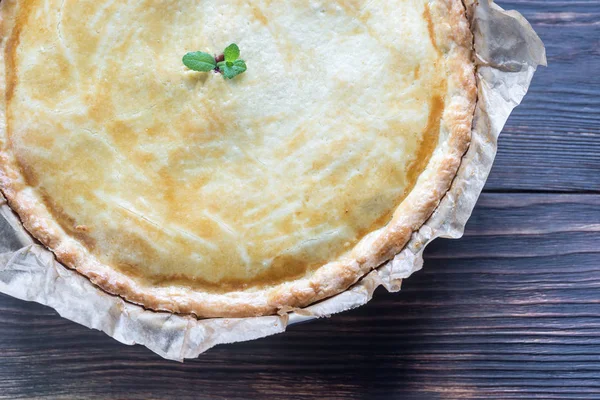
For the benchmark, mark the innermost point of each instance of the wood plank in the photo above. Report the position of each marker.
(552, 141)
(512, 310)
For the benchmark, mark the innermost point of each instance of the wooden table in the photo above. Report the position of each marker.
(512, 310)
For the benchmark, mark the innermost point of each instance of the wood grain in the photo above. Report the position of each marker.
(552, 141)
(512, 310)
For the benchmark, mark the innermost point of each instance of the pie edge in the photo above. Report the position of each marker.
(328, 280)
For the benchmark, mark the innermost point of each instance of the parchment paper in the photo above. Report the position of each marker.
(507, 52)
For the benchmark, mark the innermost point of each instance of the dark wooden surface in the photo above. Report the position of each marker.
(511, 311)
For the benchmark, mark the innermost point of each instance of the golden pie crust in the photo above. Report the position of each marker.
(185, 192)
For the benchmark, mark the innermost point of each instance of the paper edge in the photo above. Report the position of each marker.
(186, 337)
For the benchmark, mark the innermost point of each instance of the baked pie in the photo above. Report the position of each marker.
(186, 192)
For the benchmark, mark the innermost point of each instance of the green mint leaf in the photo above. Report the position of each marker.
(232, 52)
(232, 69)
(199, 61)
(226, 70)
(239, 66)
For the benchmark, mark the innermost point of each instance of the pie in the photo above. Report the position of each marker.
(186, 192)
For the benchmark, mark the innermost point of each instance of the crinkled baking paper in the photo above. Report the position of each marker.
(507, 53)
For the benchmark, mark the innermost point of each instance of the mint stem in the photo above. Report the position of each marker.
(218, 59)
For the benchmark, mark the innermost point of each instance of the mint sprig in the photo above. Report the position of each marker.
(230, 67)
